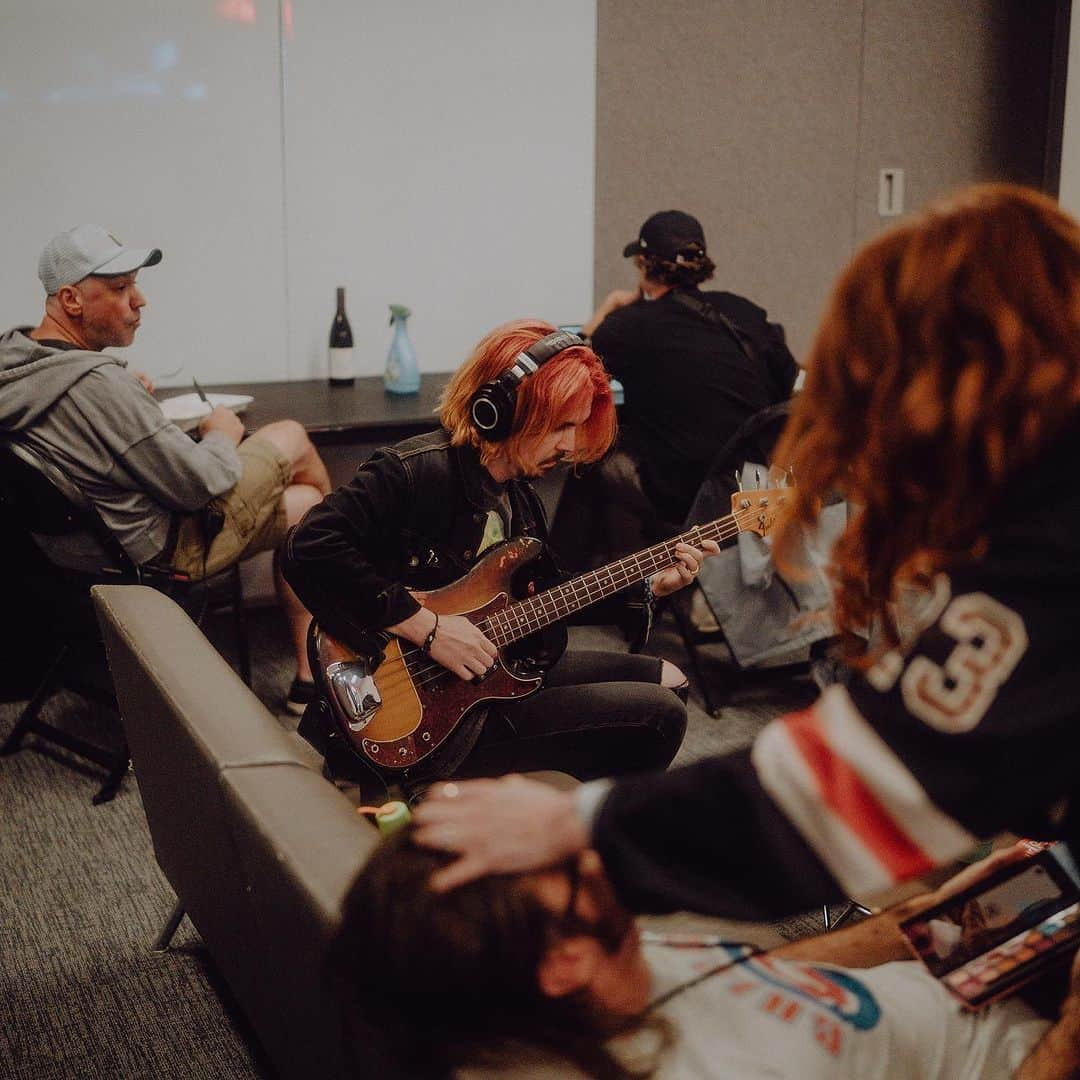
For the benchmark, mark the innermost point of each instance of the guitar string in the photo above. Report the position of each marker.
(532, 615)
(661, 555)
(605, 580)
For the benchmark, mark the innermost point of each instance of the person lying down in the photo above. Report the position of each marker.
(545, 975)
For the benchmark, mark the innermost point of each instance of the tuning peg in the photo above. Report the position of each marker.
(738, 480)
(757, 479)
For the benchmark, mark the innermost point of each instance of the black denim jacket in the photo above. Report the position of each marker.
(411, 518)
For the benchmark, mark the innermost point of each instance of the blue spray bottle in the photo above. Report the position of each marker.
(402, 374)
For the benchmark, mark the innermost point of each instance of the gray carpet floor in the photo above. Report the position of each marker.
(82, 899)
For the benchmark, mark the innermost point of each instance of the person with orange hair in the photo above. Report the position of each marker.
(418, 515)
(941, 400)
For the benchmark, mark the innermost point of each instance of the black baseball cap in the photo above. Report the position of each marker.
(668, 233)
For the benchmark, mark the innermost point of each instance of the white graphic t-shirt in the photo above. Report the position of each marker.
(769, 1017)
(772, 1018)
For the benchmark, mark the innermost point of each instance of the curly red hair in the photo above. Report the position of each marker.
(573, 377)
(949, 356)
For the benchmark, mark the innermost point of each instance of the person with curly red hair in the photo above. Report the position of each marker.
(941, 400)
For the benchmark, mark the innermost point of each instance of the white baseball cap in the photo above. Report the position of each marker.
(85, 250)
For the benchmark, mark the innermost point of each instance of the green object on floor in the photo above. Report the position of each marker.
(392, 816)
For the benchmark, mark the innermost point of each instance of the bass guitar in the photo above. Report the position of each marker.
(394, 705)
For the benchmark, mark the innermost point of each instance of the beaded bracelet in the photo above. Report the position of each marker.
(426, 647)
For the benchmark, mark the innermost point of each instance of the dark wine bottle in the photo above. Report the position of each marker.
(342, 370)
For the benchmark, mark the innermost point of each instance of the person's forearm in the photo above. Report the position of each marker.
(707, 838)
(864, 944)
(416, 627)
(1057, 1054)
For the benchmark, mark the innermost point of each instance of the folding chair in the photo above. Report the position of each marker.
(754, 440)
(77, 550)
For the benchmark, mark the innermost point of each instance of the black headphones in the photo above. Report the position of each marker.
(492, 406)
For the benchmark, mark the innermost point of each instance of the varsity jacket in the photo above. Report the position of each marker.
(974, 729)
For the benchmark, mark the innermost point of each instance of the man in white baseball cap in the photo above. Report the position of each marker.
(86, 250)
(196, 507)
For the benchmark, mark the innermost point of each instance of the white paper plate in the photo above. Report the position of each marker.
(186, 410)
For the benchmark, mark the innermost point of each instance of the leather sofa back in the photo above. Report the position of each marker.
(257, 845)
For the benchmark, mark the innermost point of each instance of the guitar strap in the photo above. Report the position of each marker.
(717, 318)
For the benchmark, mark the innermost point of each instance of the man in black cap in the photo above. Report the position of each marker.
(694, 365)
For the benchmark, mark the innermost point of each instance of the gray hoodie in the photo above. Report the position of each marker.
(88, 415)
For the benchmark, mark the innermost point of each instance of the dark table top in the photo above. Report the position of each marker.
(341, 414)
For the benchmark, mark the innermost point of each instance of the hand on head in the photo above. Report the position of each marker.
(498, 827)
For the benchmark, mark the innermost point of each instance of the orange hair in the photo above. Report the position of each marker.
(573, 377)
(949, 356)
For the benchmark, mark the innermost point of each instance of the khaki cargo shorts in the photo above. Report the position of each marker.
(254, 514)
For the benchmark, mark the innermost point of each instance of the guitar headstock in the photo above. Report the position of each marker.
(758, 510)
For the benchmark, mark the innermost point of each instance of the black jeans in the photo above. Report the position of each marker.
(598, 714)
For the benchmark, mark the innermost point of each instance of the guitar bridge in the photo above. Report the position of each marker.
(355, 691)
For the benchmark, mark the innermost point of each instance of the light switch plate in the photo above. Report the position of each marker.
(890, 202)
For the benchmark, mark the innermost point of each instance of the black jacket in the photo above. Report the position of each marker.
(689, 384)
(411, 518)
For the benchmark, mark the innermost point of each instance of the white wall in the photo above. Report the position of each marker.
(1069, 190)
(435, 155)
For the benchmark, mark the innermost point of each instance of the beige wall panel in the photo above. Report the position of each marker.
(944, 98)
(745, 114)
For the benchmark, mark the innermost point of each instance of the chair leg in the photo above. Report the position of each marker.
(25, 724)
(243, 649)
(169, 929)
(107, 791)
(29, 724)
(686, 630)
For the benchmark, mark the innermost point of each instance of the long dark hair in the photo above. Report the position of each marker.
(442, 980)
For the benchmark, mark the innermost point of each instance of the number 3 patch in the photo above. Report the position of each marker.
(953, 697)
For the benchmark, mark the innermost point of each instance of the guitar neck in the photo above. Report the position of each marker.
(525, 617)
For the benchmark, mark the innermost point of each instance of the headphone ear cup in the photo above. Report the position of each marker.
(492, 411)
(491, 408)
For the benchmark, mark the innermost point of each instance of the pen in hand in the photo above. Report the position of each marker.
(239, 434)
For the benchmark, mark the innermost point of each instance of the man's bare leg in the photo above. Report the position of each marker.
(310, 482)
(299, 499)
(292, 440)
